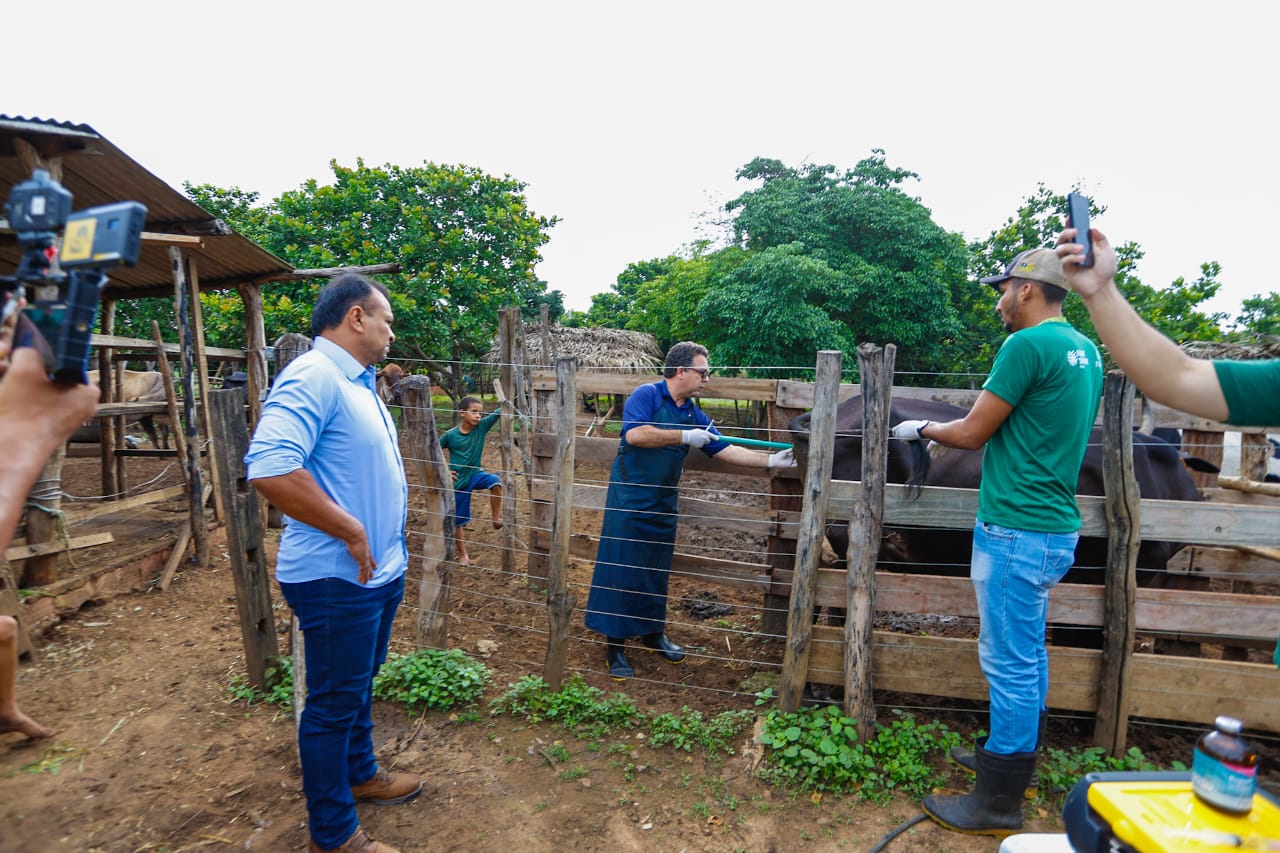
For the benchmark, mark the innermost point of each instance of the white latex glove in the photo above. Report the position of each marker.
(782, 459)
(697, 437)
(909, 430)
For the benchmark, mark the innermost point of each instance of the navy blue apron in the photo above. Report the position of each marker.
(633, 563)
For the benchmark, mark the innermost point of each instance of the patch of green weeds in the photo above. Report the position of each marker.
(816, 749)
(279, 677)
(571, 773)
(437, 679)
(687, 729)
(577, 706)
(1060, 769)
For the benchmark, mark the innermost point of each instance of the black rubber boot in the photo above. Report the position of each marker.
(659, 643)
(620, 668)
(995, 805)
(967, 761)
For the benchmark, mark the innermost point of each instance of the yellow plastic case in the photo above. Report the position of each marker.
(1155, 815)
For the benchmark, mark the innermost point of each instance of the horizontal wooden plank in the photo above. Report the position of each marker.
(1162, 687)
(601, 451)
(1176, 521)
(23, 551)
(149, 346)
(692, 510)
(75, 516)
(750, 577)
(593, 382)
(1225, 562)
(1208, 616)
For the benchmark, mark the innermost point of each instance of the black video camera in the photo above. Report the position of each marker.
(59, 320)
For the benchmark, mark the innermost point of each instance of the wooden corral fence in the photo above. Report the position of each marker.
(1115, 684)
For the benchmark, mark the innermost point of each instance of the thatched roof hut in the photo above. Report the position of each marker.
(1264, 347)
(595, 348)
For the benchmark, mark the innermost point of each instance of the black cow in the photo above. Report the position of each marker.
(1158, 468)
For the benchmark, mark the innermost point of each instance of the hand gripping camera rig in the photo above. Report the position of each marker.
(67, 284)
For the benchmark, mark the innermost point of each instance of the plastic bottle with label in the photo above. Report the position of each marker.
(1224, 769)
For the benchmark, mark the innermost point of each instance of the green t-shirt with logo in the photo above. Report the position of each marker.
(1052, 377)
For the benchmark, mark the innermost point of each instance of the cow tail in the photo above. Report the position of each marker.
(918, 460)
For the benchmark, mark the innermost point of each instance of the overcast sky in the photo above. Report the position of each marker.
(628, 120)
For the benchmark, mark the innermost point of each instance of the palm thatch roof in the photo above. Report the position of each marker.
(1264, 347)
(615, 350)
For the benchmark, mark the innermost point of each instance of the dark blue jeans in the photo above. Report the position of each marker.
(346, 629)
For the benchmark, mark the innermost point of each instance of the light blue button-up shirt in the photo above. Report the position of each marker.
(324, 415)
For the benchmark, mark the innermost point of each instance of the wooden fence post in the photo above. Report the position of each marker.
(506, 391)
(876, 366)
(194, 479)
(560, 602)
(244, 536)
(813, 523)
(1124, 518)
(438, 546)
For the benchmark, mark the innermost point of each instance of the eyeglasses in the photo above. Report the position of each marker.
(704, 372)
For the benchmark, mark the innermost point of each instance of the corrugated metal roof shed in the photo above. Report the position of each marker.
(96, 172)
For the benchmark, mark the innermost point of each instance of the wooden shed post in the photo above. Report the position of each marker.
(195, 479)
(560, 601)
(437, 485)
(813, 523)
(1124, 520)
(107, 426)
(255, 349)
(45, 521)
(230, 441)
(202, 377)
(876, 365)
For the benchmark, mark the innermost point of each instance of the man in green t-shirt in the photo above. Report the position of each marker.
(1034, 417)
(465, 444)
(1241, 393)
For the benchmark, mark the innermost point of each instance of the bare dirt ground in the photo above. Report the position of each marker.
(154, 753)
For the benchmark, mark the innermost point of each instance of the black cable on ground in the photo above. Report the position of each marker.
(898, 830)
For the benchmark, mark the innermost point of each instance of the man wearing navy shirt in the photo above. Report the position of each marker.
(660, 422)
(326, 453)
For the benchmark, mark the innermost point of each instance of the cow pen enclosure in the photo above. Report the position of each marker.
(1229, 537)
(756, 541)
(1116, 684)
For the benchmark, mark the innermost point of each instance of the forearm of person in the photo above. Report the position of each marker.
(1152, 362)
(647, 435)
(299, 496)
(735, 455)
(973, 430)
(25, 458)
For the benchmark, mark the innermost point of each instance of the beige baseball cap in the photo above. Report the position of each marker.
(1035, 265)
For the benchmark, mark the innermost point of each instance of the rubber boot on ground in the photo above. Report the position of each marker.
(994, 807)
(620, 668)
(968, 762)
(660, 644)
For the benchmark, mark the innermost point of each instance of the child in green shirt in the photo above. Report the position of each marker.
(465, 444)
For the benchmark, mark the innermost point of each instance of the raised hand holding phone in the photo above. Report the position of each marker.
(1078, 218)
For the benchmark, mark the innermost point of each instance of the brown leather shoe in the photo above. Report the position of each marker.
(388, 789)
(359, 842)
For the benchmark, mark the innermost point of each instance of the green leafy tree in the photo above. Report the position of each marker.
(1259, 315)
(1173, 310)
(880, 269)
(466, 243)
(614, 308)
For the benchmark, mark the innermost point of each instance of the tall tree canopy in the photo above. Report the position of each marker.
(466, 242)
(821, 259)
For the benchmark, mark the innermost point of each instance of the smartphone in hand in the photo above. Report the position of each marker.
(1078, 218)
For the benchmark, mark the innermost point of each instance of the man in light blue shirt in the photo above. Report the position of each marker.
(326, 453)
